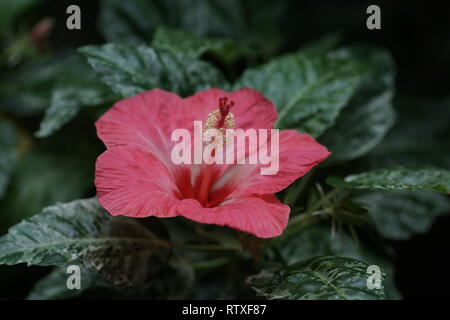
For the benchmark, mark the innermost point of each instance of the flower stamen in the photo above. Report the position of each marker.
(220, 119)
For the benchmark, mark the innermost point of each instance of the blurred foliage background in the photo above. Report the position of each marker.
(52, 165)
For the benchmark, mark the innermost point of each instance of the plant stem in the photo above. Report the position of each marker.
(316, 206)
(304, 219)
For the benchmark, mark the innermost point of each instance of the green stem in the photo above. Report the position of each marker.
(316, 206)
(305, 219)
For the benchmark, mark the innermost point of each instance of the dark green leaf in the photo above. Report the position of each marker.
(418, 119)
(322, 278)
(400, 215)
(36, 80)
(8, 153)
(56, 169)
(369, 115)
(171, 280)
(324, 44)
(175, 40)
(66, 102)
(54, 285)
(318, 240)
(129, 70)
(308, 90)
(397, 179)
(121, 250)
(224, 283)
(134, 21)
(174, 281)
(254, 23)
(413, 153)
(418, 137)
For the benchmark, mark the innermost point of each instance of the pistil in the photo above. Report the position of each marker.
(220, 119)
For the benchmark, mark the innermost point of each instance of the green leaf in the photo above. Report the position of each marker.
(400, 215)
(324, 44)
(121, 250)
(417, 138)
(67, 102)
(308, 90)
(364, 122)
(129, 70)
(171, 280)
(418, 119)
(411, 153)
(400, 178)
(318, 241)
(56, 169)
(134, 21)
(35, 82)
(254, 23)
(8, 154)
(54, 285)
(176, 40)
(322, 278)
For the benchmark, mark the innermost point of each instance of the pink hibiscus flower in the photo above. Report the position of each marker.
(136, 177)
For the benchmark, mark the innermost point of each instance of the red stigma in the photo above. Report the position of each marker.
(224, 106)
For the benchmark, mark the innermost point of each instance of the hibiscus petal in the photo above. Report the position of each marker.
(262, 215)
(251, 109)
(134, 183)
(298, 154)
(146, 120)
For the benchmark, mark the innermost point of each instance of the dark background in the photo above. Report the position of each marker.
(417, 33)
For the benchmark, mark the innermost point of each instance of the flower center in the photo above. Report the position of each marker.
(220, 119)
